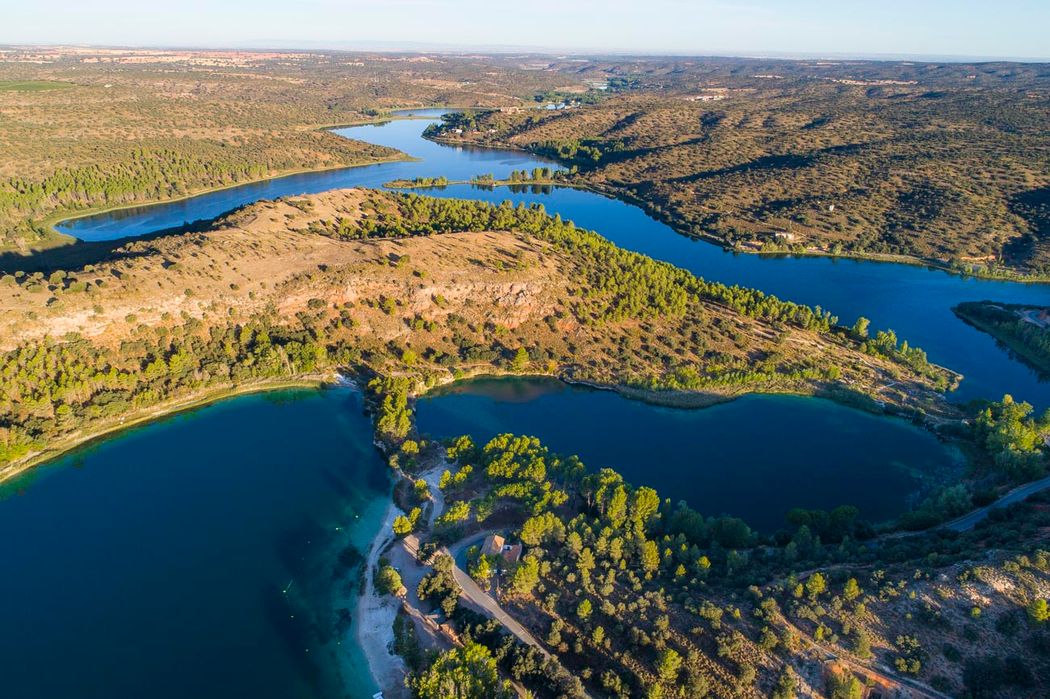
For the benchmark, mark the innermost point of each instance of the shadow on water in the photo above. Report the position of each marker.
(81, 253)
(755, 457)
(338, 482)
(1041, 376)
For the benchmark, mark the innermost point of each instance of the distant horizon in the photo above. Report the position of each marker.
(380, 46)
(931, 30)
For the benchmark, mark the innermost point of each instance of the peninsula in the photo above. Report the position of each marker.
(411, 289)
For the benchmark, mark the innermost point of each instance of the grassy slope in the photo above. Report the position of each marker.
(895, 172)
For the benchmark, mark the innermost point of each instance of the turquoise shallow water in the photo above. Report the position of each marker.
(755, 457)
(194, 557)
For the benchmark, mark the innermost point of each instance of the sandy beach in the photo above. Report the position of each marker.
(374, 620)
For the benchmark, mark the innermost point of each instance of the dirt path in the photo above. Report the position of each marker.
(907, 687)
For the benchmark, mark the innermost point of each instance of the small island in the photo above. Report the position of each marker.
(540, 176)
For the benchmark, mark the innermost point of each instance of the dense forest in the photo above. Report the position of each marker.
(53, 388)
(173, 168)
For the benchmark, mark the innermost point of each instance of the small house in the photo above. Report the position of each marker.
(493, 545)
(496, 545)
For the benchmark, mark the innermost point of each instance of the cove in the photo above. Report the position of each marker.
(914, 301)
(204, 555)
(755, 457)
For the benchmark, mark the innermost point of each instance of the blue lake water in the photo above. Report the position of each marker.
(403, 134)
(196, 557)
(155, 563)
(914, 301)
(754, 458)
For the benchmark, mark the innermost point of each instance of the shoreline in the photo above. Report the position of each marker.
(646, 207)
(1024, 353)
(880, 258)
(155, 413)
(409, 185)
(64, 217)
(374, 614)
(56, 218)
(701, 399)
(58, 239)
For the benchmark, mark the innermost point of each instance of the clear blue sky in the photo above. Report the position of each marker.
(994, 28)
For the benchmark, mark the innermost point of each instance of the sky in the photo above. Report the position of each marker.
(1017, 29)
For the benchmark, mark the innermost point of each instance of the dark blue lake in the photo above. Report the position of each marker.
(754, 458)
(914, 301)
(201, 556)
(156, 563)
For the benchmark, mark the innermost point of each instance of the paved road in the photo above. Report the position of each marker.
(968, 521)
(483, 601)
(404, 557)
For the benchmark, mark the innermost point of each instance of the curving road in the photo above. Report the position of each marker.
(404, 558)
(483, 601)
(968, 521)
